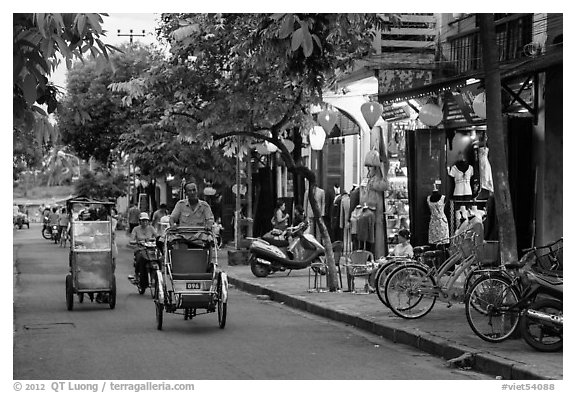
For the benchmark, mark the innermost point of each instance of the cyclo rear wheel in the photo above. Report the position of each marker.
(409, 291)
(159, 306)
(222, 306)
(489, 308)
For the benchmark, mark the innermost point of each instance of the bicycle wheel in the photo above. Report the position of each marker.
(543, 335)
(380, 281)
(409, 291)
(489, 308)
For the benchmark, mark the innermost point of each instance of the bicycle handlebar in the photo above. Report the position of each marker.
(549, 245)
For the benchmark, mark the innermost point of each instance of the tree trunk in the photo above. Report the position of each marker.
(332, 278)
(495, 132)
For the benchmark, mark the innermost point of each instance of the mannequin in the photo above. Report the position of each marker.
(372, 194)
(475, 212)
(345, 220)
(438, 228)
(462, 172)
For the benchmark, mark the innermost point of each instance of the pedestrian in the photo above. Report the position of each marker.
(158, 214)
(280, 218)
(133, 217)
(63, 221)
(403, 248)
(192, 211)
(299, 215)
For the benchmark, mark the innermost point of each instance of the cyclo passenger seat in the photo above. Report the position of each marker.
(190, 264)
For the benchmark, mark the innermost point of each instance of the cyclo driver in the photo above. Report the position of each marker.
(142, 233)
(192, 211)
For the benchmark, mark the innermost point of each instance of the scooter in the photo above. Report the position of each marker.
(274, 252)
(153, 257)
(55, 233)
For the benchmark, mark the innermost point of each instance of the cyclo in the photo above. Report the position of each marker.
(91, 260)
(190, 278)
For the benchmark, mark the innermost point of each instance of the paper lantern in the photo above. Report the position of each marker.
(371, 112)
(272, 148)
(327, 119)
(317, 137)
(430, 115)
(289, 145)
(479, 105)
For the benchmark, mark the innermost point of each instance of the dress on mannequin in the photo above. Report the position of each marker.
(462, 172)
(438, 227)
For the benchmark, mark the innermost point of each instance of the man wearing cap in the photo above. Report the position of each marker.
(142, 232)
(191, 211)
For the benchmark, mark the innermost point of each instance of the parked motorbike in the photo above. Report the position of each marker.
(148, 278)
(290, 249)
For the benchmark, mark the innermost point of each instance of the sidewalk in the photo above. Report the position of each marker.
(444, 332)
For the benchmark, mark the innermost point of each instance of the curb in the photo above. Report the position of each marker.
(480, 361)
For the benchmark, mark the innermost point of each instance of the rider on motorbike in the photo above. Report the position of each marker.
(142, 233)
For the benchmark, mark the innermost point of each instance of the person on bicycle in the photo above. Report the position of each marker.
(192, 211)
(143, 232)
(63, 221)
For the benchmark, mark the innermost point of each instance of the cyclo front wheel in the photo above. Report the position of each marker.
(490, 308)
(222, 306)
(409, 291)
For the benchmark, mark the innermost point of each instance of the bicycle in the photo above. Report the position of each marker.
(525, 294)
(408, 286)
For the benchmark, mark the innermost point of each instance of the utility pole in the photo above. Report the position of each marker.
(132, 35)
(495, 131)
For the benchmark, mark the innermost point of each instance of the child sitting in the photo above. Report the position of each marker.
(403, 248)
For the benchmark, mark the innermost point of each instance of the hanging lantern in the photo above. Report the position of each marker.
(430, 115)
(371, 112)
(479, 105)
(327, 119)
(270, 147)
(317, 138)
(289, 145)
(261, 149)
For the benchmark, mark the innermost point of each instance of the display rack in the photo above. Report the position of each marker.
(396, 209)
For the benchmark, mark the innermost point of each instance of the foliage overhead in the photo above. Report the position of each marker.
(101, 185)
(253, 75)
(39, 41)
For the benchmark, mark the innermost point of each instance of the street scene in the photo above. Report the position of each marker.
(296, 197)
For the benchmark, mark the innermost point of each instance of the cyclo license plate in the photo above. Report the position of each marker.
(193, 285)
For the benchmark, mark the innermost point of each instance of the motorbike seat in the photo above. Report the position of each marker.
(190, 264)
(276, 242)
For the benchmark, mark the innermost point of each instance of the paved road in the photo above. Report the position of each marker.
(262, 340)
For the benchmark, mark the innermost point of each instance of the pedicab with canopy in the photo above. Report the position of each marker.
(190, 278)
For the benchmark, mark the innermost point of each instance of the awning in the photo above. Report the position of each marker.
(508, 71)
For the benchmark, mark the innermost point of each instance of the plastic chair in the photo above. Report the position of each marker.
(360, 264)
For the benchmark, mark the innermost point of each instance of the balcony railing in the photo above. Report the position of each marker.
(513, 33)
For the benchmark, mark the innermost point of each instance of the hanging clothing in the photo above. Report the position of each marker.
(320, 197)
(438, 227)
(356, 213)
(335, 217)
(345, 211)
(486, 181)
(366, 225)
(462, 180)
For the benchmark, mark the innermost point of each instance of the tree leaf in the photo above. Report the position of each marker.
(297, 38)
(29, 89)
(307, 44)
(287, 26)
(81, 25)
